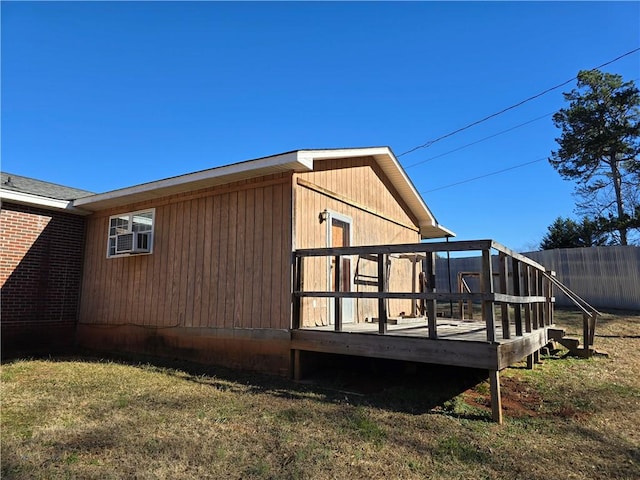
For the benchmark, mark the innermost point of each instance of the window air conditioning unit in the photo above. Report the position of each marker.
(133, 242)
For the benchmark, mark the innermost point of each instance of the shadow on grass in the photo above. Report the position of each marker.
(358, 381)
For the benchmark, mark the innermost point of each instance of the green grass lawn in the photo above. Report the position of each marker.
(568, 418)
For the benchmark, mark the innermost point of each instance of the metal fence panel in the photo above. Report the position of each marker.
(606, 277)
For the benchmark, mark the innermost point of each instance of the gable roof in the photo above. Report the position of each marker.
(29, 191)
(297, 161)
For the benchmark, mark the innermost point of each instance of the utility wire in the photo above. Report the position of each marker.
(479, 141)
(486, 175)
(442, 137)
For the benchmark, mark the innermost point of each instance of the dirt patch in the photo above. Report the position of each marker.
(518, 399)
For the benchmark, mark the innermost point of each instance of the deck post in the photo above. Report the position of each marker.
(535, 307)
(549, 295)
(496, 400)
(504, 307)
(542, 311)
(431, 287)
(298, 263)
(297, 374)
(526, 290)
(337, 305)
(517, 309)
(530, 362)
(486, 286)
(382, 304)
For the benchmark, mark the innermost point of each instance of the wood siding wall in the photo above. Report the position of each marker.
(358, 189)
(221, 260)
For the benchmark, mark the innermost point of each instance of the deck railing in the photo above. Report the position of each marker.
(520, 289)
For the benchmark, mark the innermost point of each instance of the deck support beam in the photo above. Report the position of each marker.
(496, 400)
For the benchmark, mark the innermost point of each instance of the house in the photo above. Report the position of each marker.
(262, 265)
(204, 269)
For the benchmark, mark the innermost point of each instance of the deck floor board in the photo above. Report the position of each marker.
(448, 329)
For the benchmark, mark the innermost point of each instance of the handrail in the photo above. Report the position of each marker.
(589, 313)
(530, 296)
(580, 302)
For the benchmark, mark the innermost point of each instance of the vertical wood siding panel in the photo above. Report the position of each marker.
(98, 287)
(137, 293)
(286, 263)
(248, 286)
(102, 274)
(267, 264)
(258, 249)
(215, 296)
(149, 275)
(231, 261)
(241, 240)
(162, 304)
(183, 248)
(156, 281)
(206, 263)
(277, 283)
(196, 264)
(121, 271)
(118, 278)
(106, 275)
(167, 314)
(223, 260)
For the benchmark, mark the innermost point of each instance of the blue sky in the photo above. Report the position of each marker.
(103, 95)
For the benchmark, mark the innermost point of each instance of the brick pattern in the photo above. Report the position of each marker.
(41, 255)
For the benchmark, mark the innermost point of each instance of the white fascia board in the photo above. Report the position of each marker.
(39, 201)
(344, 153)
(284, 162)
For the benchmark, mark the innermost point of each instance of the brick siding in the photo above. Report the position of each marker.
(41, 255)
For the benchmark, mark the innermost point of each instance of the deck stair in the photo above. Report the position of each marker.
(589, 320)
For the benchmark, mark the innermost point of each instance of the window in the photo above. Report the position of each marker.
(130, 233)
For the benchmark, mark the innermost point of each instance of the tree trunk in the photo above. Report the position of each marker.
(617, 185)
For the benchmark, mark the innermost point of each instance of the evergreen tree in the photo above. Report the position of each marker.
(599, 148)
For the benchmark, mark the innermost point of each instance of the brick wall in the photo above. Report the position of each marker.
(40, 271)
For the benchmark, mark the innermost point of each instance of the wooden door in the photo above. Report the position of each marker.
(340, 236)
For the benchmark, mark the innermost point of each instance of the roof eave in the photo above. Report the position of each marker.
(203, 179)
(46, 203)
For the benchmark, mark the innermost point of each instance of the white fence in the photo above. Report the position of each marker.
(606, 277)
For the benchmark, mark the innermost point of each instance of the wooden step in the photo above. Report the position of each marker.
(556, 333)
(571, 343)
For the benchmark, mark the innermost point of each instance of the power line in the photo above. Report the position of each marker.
(485, 175)
(479, 141)
(442, 137)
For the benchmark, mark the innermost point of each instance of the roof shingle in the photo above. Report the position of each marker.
(18, 183)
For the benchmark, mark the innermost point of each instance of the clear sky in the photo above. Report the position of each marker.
(104, 95)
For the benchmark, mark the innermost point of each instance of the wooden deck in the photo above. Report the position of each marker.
(515, 298)
(460, 342)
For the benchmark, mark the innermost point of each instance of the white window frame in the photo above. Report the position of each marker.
(152, 211)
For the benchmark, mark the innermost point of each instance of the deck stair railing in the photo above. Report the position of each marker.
(589, 320)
